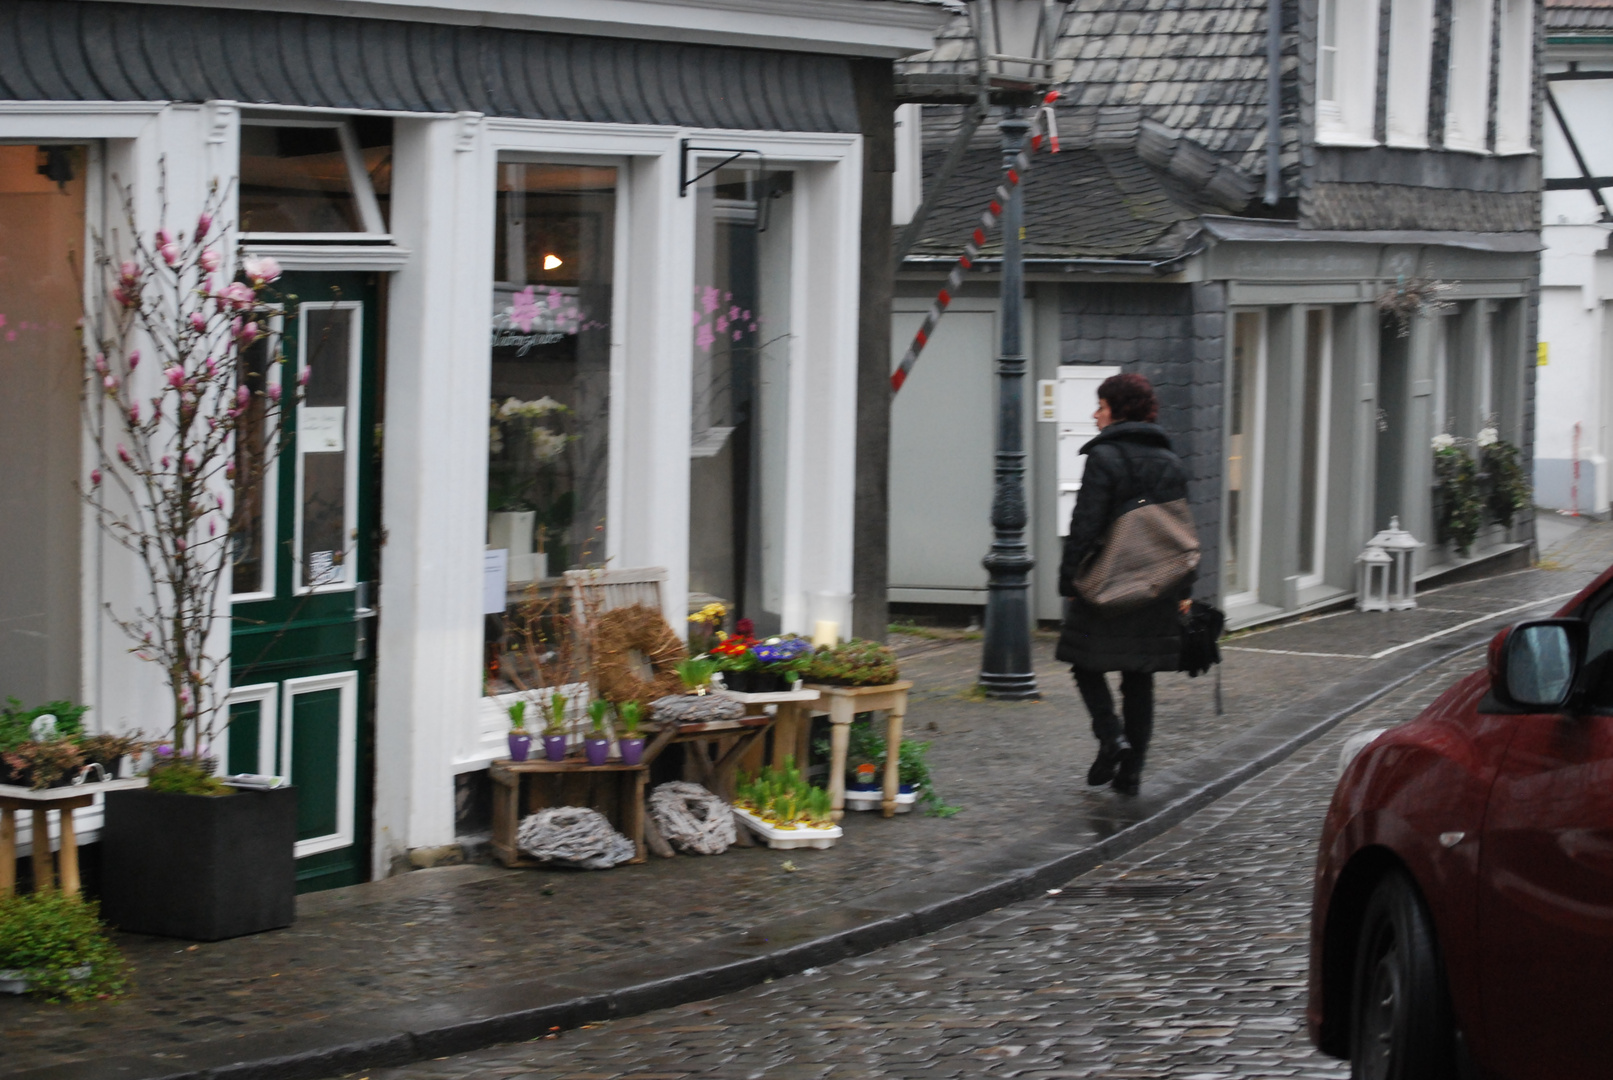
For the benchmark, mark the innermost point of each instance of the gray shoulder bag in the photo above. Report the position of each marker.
(1147, 550)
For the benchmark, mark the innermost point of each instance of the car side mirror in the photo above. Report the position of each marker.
(1535, 665)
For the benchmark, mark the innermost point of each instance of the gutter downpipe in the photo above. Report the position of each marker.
(1274, 100)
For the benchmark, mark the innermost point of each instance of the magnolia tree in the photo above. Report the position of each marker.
(184, 406)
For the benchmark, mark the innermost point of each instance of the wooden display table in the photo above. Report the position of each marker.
(64, 800)
(843, 705)
(614, 789)
(793, 722)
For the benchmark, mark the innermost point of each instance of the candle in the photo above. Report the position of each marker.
(827, 632)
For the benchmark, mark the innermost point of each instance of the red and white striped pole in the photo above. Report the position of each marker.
(971, 250)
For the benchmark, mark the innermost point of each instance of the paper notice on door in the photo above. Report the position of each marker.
(322, 429)
(323, 568)
(495, 576)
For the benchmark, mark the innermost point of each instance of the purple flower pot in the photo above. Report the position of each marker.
(632, 750)
(520, 745)
(554, 747)
(598, 750)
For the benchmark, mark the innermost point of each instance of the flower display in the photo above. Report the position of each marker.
(1443, 441)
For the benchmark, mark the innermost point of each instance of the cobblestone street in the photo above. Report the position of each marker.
(1185, 959)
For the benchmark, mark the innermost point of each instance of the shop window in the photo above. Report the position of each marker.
(1346, 70)
(1467, 102)
(1514, 91)
(1245, 391)
(42, 260)
(1411, 45)
(740, 312)
(301, 177)
(549, 409)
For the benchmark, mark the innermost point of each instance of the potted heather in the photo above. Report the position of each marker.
(170, 381)
(629, 741)
(596, 744)
(53, 945)
(520, 740)
(554, 732)
(853, 663)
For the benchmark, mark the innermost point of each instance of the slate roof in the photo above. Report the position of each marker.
(1196, 66)
(71, 50)
(1574, 16)
(1122, 188)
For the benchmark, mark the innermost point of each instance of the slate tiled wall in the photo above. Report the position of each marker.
(1175, 335)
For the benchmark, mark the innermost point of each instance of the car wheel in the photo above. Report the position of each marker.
(1400, 1017)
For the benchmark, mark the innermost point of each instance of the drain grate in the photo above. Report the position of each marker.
(1125, 890)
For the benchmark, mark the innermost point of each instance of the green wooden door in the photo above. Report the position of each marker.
(305, 581)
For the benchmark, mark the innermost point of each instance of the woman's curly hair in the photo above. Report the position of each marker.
(1130, 397)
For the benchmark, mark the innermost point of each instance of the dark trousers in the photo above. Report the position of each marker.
(1137, 704)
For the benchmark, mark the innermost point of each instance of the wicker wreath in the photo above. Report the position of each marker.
(637, 629)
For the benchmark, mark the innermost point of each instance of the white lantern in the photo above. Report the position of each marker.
(1401, 547)
(1373, 567)
(1016, 38)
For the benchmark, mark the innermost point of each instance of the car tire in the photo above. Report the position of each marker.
(1400, 1015)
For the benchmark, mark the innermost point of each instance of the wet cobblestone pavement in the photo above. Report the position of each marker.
(1015, 768)
(1184, 959)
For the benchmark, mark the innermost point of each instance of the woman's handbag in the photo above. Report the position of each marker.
(1201, 629)
(1147, 551)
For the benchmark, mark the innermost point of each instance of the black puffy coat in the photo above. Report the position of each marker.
(1125, 461)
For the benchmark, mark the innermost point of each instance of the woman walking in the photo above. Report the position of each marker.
(1129, 459)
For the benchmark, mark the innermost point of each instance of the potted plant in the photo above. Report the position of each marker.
(172, 378)
(554, 732)
(596, 744)
(53, 944)
(630, 742)
(770, 666)
(853, 663)
(696, 673)
(520, 741)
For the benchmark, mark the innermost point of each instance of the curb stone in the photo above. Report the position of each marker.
(531, 1009)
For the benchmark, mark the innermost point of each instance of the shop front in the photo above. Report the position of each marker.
(588, 302)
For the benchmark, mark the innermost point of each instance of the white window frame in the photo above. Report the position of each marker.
(1410, 74)
(1467, 84)
(369, 208)
(350, 433)
(1515, 77)
(1345, 117)
(271, 479)
(1254, 453)
(347, 760)
(907, 183)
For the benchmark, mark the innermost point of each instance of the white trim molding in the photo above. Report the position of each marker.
(1467, 94)
(347, 753)
(1411, 53)
(331, 257)
(1514, 90)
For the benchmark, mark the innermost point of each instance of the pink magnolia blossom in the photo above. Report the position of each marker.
(242, 396)
(169, 253)
(95, 477)
(123, 297)
(302, 376)
(237, 295)
(260, 269)
(212, 527)
(110, 382)
(211, 366)
(123, 454)
(165, 461)
(203, 223)
(134, 359)
(247, 334)
(190, 463)
(129, 272)
(197, 322)
(164, 236)
(179, 545)
(274, 391)
(100, 363)
(209, 260)
(134, 413)
(175, 376)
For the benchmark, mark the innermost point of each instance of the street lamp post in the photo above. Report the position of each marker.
(1015, 40)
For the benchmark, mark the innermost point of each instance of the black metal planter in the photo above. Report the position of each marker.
(199, 867)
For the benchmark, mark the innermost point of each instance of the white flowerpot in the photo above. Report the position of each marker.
(513, 531)
(788, 838)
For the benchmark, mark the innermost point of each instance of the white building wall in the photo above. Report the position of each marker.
(1574, 398)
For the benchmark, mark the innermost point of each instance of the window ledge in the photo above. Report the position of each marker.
(1343, 138)
(347, 256)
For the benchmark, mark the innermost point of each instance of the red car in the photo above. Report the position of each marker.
(1463, 916)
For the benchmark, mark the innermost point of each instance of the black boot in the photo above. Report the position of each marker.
(1111, 752)
(1129, 775)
